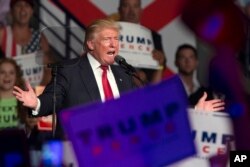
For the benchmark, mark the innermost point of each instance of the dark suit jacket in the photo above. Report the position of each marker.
(76, 85)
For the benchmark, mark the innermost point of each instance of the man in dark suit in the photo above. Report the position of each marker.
(82, 81)
(87, 79)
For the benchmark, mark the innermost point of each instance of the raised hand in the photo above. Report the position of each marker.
(28, 97)
(159, 57)
(210, 105)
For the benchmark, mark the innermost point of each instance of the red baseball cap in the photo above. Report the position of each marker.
(13, 2)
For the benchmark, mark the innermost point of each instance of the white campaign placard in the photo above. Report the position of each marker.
(136, 45)
(210, 131)
(32, 71)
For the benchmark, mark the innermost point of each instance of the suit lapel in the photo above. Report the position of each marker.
(88, 78)
(119, 77)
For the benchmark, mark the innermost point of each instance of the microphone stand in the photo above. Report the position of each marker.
(54, 68)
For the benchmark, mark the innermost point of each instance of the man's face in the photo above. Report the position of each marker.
(130, 11)
(105, 45)
(186, 62)
(22, 12)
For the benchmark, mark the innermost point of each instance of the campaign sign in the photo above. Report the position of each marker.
(211, 131)
(147, 127)
(32, 71)
(136, 45)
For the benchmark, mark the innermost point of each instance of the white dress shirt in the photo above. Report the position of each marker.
(96, 67)
(196, 86)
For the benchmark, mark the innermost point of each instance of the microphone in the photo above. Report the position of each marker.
(130, 69)
(122, 62)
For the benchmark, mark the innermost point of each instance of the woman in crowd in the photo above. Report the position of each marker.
(20, 38)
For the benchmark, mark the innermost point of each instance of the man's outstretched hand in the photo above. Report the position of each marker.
(28, 98)
(210, 105)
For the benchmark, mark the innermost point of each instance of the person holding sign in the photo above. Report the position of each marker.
(130, 11)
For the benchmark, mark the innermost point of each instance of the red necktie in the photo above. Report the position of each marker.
(105, 83)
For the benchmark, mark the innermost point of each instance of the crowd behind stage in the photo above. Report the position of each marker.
(18, 38)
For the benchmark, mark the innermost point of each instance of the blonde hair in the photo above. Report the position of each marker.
(96, 27)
